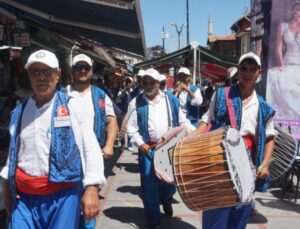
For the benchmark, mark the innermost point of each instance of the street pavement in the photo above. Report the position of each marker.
(122, 208)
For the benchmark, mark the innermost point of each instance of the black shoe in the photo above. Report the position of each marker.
(168, 209)
(152, 226)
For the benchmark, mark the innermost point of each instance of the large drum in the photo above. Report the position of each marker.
(284, 155)
(163, 157)
(213, 170)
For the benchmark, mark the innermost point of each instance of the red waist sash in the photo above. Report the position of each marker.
(249, 139)
(38, 185)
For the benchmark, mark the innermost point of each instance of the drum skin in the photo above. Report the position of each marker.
(201, 172)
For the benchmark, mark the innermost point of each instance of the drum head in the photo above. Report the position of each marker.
(242, 171)
(164, 154)
(284, 155)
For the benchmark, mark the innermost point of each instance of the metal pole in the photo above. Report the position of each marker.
(163, 39)
(179, 39)
(187, 23)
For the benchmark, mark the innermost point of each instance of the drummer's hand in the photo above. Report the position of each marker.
(144, 148)
(184, 87)
(262, 172)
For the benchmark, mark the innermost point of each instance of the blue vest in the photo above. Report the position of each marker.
(265, 112)
(135, 92)
(142, 109)
(64, 157)
(192, 111)
(100, 120)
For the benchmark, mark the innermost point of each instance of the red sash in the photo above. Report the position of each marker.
(38, 185)
(249, 139)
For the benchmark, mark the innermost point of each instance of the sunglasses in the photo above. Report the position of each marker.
(37, 72)
(148, 82)
(81, 67)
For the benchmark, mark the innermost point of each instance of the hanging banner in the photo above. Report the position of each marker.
(283, 77)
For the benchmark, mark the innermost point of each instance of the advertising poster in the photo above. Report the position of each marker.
(283, 72)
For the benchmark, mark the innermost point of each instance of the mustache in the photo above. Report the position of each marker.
(42, 83)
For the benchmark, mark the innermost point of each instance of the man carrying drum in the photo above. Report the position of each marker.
(152, 113)
(253, 117)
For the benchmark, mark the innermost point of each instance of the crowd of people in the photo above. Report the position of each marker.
(61, 138)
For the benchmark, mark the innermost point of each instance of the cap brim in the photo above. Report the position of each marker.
(28, 64)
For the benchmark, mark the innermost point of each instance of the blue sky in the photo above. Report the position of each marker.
(158, 13)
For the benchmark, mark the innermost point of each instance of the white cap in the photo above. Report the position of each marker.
(250, 55)
(130, 78)
(82, 57)
(42, 56)
(231, 71)
(162, 77)
(184, 71)
(152, 73)
(141, 73)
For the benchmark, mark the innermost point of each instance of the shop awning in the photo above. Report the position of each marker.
(112, 23)
(212, 64)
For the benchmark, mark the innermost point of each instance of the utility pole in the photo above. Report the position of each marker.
(187, 23)
(163, 38)
(178, 31)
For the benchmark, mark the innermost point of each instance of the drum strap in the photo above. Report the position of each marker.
(168, 111)
(230, 108)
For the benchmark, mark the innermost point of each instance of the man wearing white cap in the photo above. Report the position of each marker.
(139, 84)
(151, 114)
(189, 96)
(162, 82)
(98, 107)
(53, 153)
(253, 117)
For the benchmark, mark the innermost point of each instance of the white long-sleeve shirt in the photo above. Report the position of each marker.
(194, 102)
(249, 117)
(157, 120)
(35, 140)
(87, 108)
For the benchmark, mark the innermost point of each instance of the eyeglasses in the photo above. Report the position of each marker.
(245, 69)
(148, 82)
(37, 72)
(81, 67)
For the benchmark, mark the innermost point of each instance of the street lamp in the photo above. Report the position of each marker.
(178, 31)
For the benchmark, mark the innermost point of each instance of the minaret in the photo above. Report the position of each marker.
(210, 26)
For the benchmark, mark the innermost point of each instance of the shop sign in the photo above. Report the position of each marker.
(22, 39)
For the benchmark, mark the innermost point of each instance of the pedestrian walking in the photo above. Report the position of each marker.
(54, 167)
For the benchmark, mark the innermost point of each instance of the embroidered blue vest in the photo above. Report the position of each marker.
(142, 114)
(265, 112)
(100, 120)
(192, 111)
(64, 157)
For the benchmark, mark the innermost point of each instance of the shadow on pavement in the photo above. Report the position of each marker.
(175, 223)
(257, 218)
(134, 216)
(129, 167)
(279, 204)
(110, 163)
(288, 194)
(135, 190)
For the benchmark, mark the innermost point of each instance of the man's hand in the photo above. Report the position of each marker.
(144, 148)
(262, 172)
(108, 152)
(184, 87)
(90, 202)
